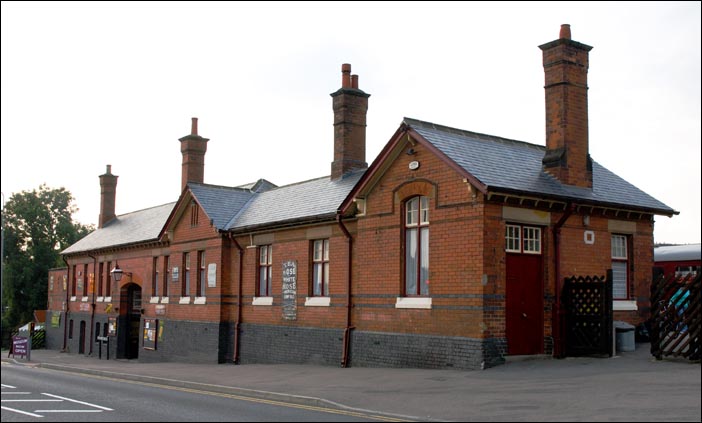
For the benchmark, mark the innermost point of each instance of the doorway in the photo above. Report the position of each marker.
(524, 291)
(81, 338)
(130, 299)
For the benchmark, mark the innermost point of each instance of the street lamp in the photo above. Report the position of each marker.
(117, 273)
(2, 263)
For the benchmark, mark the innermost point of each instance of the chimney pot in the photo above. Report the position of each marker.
(346, 75)
(193, 148)
(565, 31)
(350, 106)
(108, 195)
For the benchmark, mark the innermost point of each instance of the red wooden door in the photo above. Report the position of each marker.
(525, 307)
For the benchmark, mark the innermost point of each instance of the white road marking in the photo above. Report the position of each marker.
(32, 400)
(68, 411)
(56, 398)
(78, 402)
(21, 412)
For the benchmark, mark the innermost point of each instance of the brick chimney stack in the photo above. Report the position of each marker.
(193, 147)
(108, 194)
(565, 66)
(350, 105)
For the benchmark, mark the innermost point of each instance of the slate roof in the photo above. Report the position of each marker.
(504, 164)
(678, 253)
(259, 186)
(319, 197)
(139, 226)
(253, 205)
(220, 203)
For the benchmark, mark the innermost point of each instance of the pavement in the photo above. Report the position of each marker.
(631, 386)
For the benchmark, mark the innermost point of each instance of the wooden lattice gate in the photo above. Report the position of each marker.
(587, 301)
(675, 316)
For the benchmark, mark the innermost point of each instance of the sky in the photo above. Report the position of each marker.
(87, 84)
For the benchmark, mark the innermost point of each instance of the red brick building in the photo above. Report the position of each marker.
(444, 252)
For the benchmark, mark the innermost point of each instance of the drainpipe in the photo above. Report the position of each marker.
(92, 305)
(347, 330)
(65, 313)
(237, 325)
(557, 312)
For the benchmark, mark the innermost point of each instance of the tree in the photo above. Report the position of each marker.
(37, 226)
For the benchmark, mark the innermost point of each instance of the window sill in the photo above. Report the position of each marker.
(184, 300)
(164, 300)
(73, 298)
(413, 302)
(100, 299)
(84, 299)
(153, 300)
(200, 300)
(262, 301)
(624, 305)
(108, 299)
(317, 302)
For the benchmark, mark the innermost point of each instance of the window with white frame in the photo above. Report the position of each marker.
(417, 246)
(320, 268)
(265, 266)
(522, 239)
(166, 274)
(513, 238)
(202, 274)
(154, 278)
(620, 267)
(185, 284)
(532, 240)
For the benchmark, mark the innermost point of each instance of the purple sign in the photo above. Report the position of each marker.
(19, 346)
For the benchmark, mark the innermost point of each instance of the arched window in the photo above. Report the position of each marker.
(417, 246)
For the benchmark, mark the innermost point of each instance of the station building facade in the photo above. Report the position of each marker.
(447, 251)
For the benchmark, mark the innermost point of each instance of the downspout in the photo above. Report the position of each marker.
(347, 330)
(65, 313)
(557, 312)
(92, 304)
(237, 325)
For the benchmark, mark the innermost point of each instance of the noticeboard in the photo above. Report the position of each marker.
(290, 290)
(20, 347)
(212, 275)
(150, 333)
(111, 326)
(55, 319)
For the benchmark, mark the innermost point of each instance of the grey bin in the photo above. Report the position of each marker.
(624, 336)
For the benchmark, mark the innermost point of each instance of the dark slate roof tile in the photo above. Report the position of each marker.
(501, 163)
(139, 226)
(303, 200)
(220, 203)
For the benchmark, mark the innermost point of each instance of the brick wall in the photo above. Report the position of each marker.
(456, 258)
(383, 349)
(268, 344)
(296, 245)
(185, 341)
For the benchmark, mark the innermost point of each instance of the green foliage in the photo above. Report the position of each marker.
(37, 226)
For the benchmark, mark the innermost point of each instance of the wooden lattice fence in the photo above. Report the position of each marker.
(587, 301)
(675, 316)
